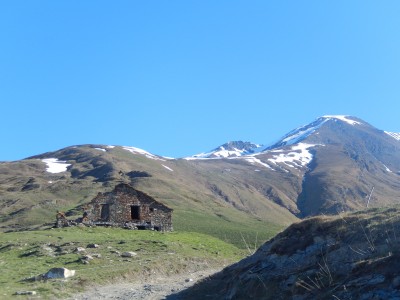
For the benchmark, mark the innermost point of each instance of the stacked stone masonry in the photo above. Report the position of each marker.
(126, 207)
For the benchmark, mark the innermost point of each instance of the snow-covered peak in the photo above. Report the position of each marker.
(394, 135)
(343, 118)
(299, 134)
(230, 149)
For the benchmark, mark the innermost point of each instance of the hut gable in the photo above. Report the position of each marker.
(128, 207)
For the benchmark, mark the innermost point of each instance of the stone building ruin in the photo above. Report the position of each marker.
(126, 207)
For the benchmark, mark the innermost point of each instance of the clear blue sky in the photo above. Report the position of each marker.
(181, 77)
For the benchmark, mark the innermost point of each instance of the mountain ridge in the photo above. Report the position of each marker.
(327, 166)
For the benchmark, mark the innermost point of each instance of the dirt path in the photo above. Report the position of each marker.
(156, 289)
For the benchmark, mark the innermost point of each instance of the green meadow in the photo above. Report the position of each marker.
(26, 254)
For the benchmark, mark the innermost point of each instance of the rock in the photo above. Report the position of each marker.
(32, 293)
(288, 283)
(87, 257)
(128, 254)
(189, 280)
(396, 282)
(147, 288)
(96, 255)
(79, 249)
(376, 279)
(46, 248)
(59, 273)
(318, 240)
(92, 246)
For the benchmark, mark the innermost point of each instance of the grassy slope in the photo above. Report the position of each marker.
(27, 254)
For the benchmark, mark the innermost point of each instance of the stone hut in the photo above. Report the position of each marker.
(128, 207)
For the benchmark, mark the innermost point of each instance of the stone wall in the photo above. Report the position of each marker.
(127, 206)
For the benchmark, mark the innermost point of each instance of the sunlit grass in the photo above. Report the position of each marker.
(27, 254)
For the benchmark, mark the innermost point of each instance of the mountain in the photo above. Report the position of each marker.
(230, 149)
(352, 256)
(333, 164)
(301, 133)
(351, 160)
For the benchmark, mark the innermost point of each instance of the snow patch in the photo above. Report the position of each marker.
(342, 118)
(197, 157)
(394, 135)
(387, 169)
(110, 147)
(135, 150)
(298, 156)
(168, 168)
(101, 149)
(301, 133)
(253, 160)
(222, 153)
(194, 158)
(55, 166)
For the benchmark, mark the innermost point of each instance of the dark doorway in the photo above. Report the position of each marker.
(105, 212)
(135, 212)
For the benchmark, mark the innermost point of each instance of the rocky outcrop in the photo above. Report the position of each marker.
(347, 257)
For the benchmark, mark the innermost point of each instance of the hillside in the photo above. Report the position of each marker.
(352, 256)
(334, 164)
(97, 256)
(205, 196)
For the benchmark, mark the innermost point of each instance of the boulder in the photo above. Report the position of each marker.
(128, 254)
(32, 293)
(59, 273)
